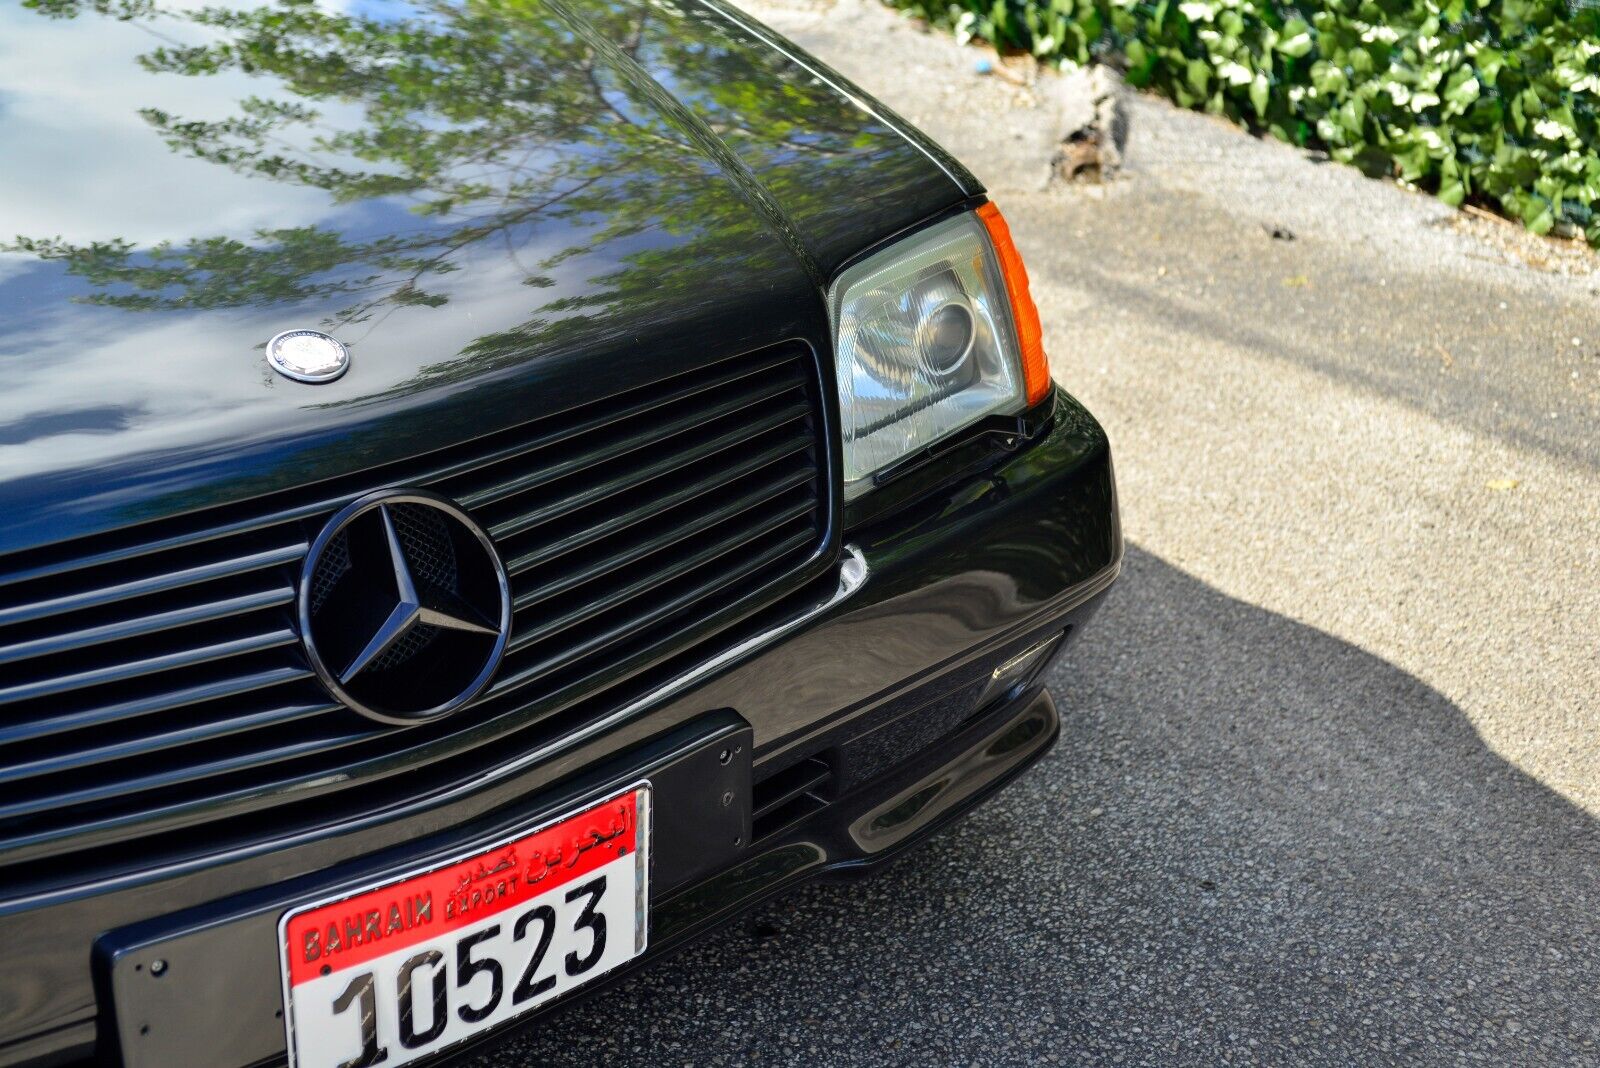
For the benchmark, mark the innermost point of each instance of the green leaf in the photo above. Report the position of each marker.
(1327, 78)
(1497, 100)
(1296, 38)
(1460, 91)
(1260, 95)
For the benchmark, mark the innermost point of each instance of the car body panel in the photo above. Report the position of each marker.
(527, 207)
(997, 561)
(591, 195)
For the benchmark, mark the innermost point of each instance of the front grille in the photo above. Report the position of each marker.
(153, 679)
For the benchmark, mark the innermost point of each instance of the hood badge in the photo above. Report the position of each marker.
(308, 356)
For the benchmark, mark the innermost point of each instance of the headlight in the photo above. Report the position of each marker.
(930, 336)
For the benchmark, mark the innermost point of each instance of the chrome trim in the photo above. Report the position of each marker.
(853, 574)
(276, 359)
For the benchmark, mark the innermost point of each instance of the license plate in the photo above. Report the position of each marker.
(430, 958)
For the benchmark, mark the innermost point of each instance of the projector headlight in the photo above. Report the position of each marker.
(930, 336)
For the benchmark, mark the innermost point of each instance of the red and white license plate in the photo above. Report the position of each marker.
(430, 958)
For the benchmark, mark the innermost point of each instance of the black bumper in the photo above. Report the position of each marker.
(861, 727)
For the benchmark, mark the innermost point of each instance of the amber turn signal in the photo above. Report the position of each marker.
(1030, 336)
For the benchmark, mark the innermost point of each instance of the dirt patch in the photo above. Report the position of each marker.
(1554, 255)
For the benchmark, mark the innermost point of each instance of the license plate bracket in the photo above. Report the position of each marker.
(219, 999)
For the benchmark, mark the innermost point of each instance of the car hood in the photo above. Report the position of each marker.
(503, 208)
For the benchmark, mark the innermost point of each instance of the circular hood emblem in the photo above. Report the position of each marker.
(308, 356)
(405, 608)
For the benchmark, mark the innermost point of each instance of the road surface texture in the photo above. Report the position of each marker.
(1328, 784)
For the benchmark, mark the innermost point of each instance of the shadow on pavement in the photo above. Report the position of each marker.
(1255, 843)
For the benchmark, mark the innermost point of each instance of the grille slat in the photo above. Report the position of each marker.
(697, 386)
(152, 679)
(666, 465)
(663, 500)
(519, 675)
(100, 715)
(142, 625)
(56, 685)
(151, 584)
(654, 540)
(188, 541)
(588, 606)
(190, 772)
(234, 721)
(636, 438)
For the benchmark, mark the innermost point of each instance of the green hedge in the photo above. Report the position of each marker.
(1494, 101)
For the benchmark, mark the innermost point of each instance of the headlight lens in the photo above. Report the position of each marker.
(925, 344)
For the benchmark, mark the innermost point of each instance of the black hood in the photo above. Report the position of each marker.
(502, 207)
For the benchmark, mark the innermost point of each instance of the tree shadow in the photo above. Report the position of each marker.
(1255, 843)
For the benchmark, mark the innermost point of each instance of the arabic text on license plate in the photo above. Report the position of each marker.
(428, 959)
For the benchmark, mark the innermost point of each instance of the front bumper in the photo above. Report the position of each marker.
(861, 726)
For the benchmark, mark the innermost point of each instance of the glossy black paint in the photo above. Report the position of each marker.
(980, 569)
(581, 196)
(857, 834)
(620, 192)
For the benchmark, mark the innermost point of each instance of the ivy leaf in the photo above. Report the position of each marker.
(1260, 95)
(1296, 38)
(1461, 91)
(1327, 78)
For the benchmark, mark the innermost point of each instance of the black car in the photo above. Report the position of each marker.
(492, 489)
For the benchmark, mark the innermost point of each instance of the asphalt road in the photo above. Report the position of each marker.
(1328, 785)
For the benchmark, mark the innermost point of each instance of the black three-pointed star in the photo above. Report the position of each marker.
(435, 607)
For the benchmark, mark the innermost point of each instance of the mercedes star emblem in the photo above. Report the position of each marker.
(405, 608)
(308, 356)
